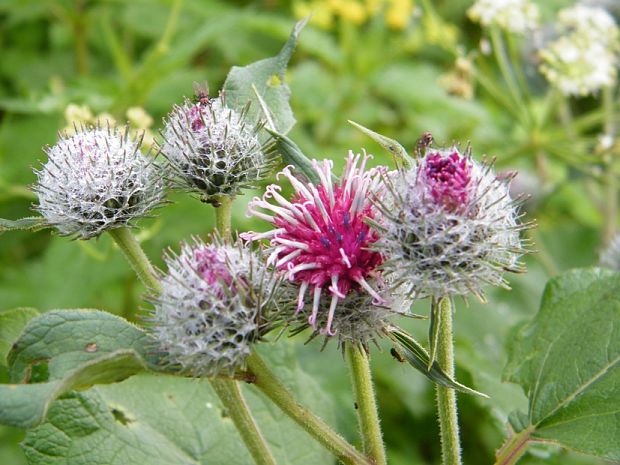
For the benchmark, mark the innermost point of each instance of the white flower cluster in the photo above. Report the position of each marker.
(208, 313)
(585, 56)
(213, 150)
(451, 227)
(95, 180)
(516, 16)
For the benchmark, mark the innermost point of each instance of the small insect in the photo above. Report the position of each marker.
(397, 355)
(201, 93)
(423, 143)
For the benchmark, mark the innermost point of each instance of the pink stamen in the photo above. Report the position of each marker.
(448, 178)
(322, 236)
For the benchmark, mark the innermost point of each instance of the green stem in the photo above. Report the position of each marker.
(611, 181)
(566, 118)
(515, 58)
(513, 448)
(504, 66)
(446, 397)
(223, 214)
(229, 393)
(227, 389)
(273, 388)
(367, 415)
(136, 257)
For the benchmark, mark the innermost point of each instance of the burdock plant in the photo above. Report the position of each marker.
(449, 228)
(342, 255)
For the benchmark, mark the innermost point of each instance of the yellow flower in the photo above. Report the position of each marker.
(352, 11)
(321, 12)
(398, 13)
(139, 118)
(77, 114)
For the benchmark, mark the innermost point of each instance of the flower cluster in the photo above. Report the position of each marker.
(397, 13)
(96, 180)
(585, 56)
(209, 311)
(213, 150)
(516, 16)
(321, 238)
(449, 227)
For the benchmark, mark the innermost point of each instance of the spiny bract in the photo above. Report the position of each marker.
(95, 180)
(209, 311)
(449, 227)
(213, 150)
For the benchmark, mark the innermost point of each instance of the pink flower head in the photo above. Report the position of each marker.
(320, 237)
(212, 268)
(448, 178)
(196, 118)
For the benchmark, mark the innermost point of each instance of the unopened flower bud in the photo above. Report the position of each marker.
(213, 150)
(95, 180)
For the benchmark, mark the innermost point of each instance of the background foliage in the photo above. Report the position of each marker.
(399, 79)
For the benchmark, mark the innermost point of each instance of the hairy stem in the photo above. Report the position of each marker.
(136, 257)
(446, 397)
(229, 393)
(223, 213)
(228, 389)
(367, 415)
(513, 448)
(273, 388)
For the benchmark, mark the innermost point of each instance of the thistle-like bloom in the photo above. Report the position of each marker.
(585, 56)
(516, 16)
(321, 238)
(213, 150)
(210, 309)
(450, 227)
(610, 257)
(95, 180)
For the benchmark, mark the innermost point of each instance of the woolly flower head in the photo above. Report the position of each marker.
(213, 150)
(450, 227)
(610, 257)
(517, 16)
(320, 238)
(209, 311)
(95, 180)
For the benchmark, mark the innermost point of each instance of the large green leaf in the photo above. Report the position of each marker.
(567, 361)
(26, 405)
(67, 338)
(265, 77)
(69, 349)
(159, 419)
(11, 324)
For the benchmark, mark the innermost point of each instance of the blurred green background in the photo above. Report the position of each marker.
(395, 70)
